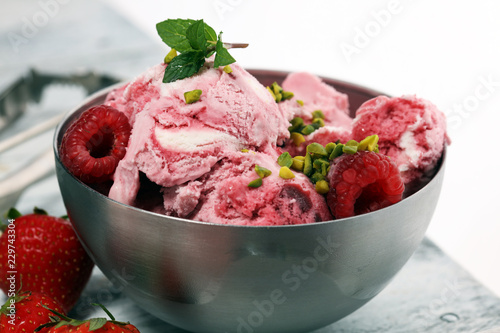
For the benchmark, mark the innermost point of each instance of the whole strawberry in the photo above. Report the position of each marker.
(24, 312)
(64, 324)
(42, 253)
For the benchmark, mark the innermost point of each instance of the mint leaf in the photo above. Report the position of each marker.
(210, 33)
(173, 33)
(194, 40)
(222, 56)
(184, 65)
(195, 34)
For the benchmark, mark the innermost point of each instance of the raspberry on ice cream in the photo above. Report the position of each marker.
(363, 182)
(411, 130)
(94, 144)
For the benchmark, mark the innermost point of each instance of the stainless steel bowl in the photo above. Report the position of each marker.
(207, 277)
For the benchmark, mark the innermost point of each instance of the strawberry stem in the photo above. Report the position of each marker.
(13, 214)
(105, 310)
(40, 211)
(60, 315)
(18, 297)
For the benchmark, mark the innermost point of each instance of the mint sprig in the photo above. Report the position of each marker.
(184, 65)
(195, 41)
(222, 56)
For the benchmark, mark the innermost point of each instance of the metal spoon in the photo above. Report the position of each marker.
(12, 187)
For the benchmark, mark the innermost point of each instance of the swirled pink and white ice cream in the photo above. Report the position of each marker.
(198, 158)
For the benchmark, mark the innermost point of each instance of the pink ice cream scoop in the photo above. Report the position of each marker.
(411, 130)
(313, 95)
(316, 95)
(173, 142)
(224, 196)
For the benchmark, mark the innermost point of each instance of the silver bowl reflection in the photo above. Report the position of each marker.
(207, 277)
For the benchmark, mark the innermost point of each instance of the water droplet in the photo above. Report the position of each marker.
(449, 317)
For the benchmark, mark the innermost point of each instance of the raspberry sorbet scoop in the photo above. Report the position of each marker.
(411, 130)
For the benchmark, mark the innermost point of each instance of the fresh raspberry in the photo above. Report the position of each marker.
(94, 144)
(363, 182)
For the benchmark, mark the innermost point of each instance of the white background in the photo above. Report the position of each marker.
(445, 51)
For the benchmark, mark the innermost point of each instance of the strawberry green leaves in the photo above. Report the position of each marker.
(196, 41)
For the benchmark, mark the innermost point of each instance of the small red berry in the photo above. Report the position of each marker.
(363, 182)
(25, 311)
(63, 324)
(94, 144)
(48, 258)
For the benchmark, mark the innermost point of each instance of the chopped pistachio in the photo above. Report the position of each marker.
(287, 95)
(300, 158)
(321, 165)
(337, 151)
(350, 147)
(262, 172)
(308, 166)
(298, 164)
(319, 121)
(318, 114)
(279, 97)
(170, 55)
(297, 138)
(228, 69)
(316, 177)
(286, 173)
(300, 102)
(369, 143)
(308, 130)
(322, 187)
(352, 143)
(330, 147)
(278, 93)
(317, 164)
(276, 88)
(325, 168)
(255, 183)
(316, 149)
(316, 125)
(271, 92)
(244, 150)
(297, 124)
(285, 159)
(192, 96)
